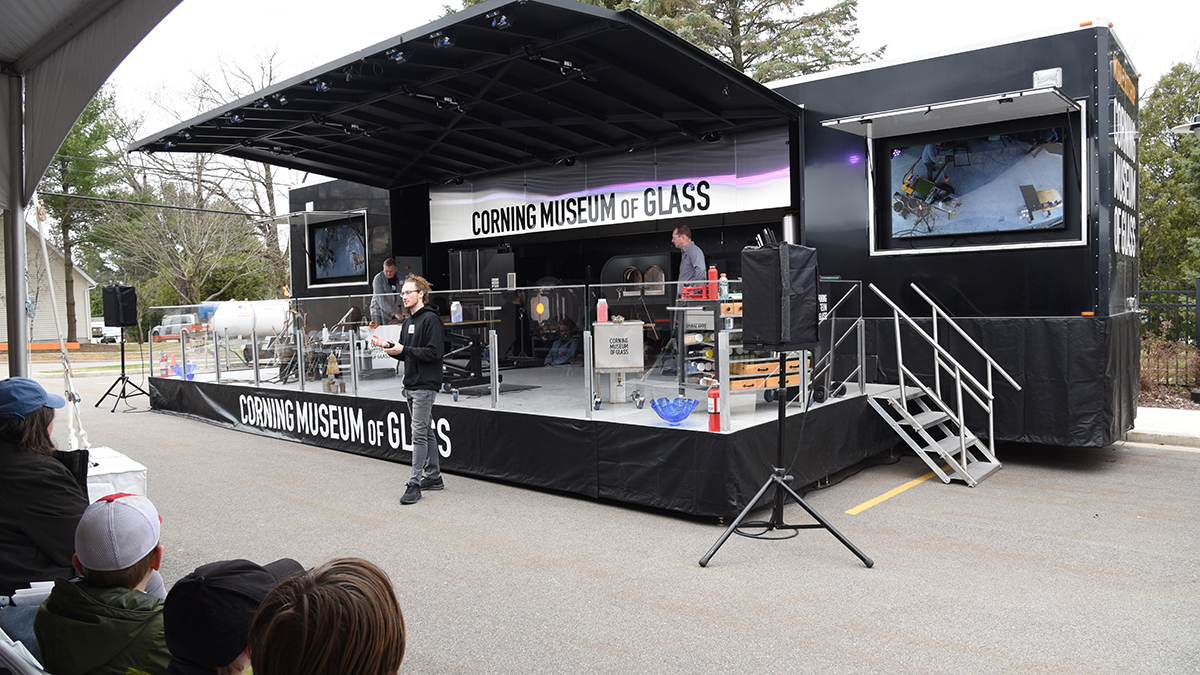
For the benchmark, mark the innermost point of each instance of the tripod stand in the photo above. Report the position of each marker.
(124, 381)
(779, 479)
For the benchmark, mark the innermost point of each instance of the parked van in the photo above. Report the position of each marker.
(102, 333)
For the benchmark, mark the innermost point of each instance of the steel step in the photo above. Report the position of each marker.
(978, 472)
(928, 419)
(893, 394)
(949, 445)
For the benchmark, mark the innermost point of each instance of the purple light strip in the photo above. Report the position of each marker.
(729, 179)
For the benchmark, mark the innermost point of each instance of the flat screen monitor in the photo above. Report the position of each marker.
(338, 252)
(988, 185)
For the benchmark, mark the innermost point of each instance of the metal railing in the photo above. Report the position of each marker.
(964, 382)
(1170, 353)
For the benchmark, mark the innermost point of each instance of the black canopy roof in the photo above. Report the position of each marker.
(502, 85)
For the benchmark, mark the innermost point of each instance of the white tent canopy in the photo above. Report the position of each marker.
(54, 56)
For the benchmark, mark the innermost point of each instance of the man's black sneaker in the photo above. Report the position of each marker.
(432, 484)
(411, 494)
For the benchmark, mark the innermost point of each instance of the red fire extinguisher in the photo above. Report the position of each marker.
(162, 366)
(714, 407)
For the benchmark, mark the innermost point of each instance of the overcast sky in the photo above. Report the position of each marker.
(199, 34)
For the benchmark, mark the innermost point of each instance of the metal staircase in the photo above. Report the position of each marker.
(930, 420)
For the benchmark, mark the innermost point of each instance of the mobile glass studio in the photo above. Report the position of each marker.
(532, 159)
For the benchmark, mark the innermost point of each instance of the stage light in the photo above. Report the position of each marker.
(236, 118)
(262, 103)
(499, 21)
(280, 98)
(855, 159)
(395, 55)
(320, 86)
(185, 135)
(168, 144)
(442, 40)
(711, 137)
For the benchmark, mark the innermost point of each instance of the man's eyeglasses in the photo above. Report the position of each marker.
(408, 292)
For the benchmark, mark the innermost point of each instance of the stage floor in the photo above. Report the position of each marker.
(560, 392)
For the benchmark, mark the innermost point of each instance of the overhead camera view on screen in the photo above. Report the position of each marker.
(340, 251)
(995, 183)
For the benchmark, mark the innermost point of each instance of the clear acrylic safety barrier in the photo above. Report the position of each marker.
(523, 339)
(604, 350)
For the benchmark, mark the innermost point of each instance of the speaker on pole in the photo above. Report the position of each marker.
(779, 297)
(120, 306)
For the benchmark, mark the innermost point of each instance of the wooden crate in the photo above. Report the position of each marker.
(731, 308)
(763, 382)
(763, 367)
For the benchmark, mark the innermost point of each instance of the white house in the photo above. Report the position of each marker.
(42, 325)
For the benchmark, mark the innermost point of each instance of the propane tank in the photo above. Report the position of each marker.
(714, 406)
(243, 319)
(162, 366)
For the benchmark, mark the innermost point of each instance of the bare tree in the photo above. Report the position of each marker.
(189, 247)
(243, 185)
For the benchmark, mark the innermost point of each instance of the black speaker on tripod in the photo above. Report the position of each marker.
(780, 314)
(120, 310)
(120, 306)
(779, 297)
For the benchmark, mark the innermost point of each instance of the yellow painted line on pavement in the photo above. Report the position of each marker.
(891, 493)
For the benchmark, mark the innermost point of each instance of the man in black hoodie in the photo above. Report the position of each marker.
(421, 346)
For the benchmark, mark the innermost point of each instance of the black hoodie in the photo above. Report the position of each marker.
(424, 342)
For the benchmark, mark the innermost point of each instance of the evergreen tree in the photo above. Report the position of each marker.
(83, 167)
(766, 39)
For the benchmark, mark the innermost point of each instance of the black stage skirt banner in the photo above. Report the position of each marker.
(469, 441)
(688, 470)
(1079, 376)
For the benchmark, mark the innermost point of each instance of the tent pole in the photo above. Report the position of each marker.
(16, 287)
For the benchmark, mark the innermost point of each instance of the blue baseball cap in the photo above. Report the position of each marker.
(20, 396)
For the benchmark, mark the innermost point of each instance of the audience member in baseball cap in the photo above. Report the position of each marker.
(40, 501)
(105, 623)
(341, 618)
(208, 614)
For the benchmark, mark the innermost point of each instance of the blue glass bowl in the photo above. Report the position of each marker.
(674, 410)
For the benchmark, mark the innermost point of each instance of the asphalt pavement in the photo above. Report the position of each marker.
(1066, 561)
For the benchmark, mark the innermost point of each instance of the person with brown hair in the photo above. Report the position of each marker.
(105, 623)
(691, 264)
(421, 347)
(341, 618)
(41, 501)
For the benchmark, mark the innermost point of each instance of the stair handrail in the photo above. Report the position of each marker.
(939, 350)
(938, 311)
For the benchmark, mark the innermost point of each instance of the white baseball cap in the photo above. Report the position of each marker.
(116, 532)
